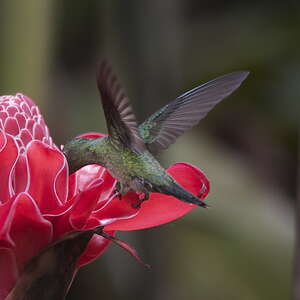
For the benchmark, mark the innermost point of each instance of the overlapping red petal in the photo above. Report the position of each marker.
(40, 202)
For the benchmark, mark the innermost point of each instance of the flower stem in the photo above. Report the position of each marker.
(50, 274)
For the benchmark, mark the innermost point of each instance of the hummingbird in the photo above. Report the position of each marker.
(129, 150)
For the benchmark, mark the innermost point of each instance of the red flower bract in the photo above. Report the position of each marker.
(40, 202)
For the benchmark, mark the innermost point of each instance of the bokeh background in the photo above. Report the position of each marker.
(241, 248)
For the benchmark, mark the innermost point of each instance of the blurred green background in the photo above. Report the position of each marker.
(241, 248)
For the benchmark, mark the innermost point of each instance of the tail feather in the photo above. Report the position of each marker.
(180, 193)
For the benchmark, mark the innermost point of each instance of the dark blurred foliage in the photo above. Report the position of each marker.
(50, 50)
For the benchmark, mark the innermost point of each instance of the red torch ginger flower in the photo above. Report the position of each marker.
(40, 202)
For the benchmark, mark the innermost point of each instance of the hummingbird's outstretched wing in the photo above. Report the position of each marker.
(163, 127)
(121, 122)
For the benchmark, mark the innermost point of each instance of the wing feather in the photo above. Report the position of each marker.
(163, 127)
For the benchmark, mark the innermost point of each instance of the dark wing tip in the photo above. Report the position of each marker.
(118, 112)
(239, 75)
(228, 82)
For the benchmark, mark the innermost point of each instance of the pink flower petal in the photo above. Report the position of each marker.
(27, 100)
(8, 156)
(3, 115)
(25, 136)
(21, 176)
(114, 210)
(85, 204)
(29, 230)
(45, 165)
(8, 208)
(25, 108)
(21, 120)
(11, 126)
(38, 131)
(61, 224)
(29, 125)
(85, 176)
(61, 183)
(108, 185)
(160, 208)
(12, 110)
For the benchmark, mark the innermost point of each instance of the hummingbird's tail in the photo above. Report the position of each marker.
(180, 193)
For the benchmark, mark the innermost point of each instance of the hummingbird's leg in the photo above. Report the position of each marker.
(121, 189)
(118, 189)
(146, 196)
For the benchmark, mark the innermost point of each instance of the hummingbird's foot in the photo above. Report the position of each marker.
(145, 196)
(118, 190)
